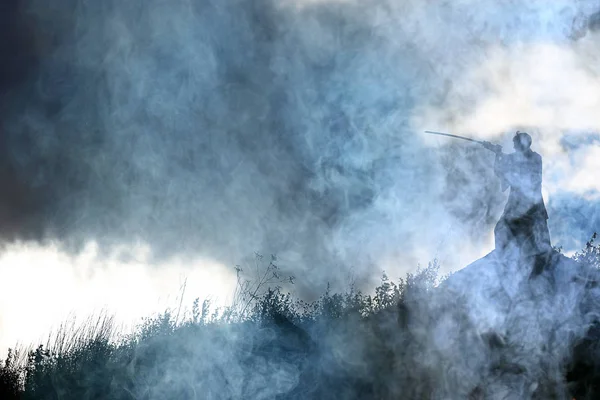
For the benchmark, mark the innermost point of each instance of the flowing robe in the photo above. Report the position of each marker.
(524, 223)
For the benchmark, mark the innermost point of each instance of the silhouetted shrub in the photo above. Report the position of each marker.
(265, 345)
(11, 376)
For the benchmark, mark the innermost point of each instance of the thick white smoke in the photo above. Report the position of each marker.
(211, 130)
(292, 128)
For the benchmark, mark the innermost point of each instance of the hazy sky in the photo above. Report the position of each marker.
(145, 141)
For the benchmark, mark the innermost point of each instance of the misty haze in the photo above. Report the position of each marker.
(299, 199)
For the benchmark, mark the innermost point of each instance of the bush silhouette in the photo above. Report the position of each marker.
(266, 345)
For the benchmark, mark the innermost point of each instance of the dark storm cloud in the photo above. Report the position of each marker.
(197, 125)
(217, 129)
(17, 60)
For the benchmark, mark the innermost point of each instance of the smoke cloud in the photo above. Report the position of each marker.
(210, 129)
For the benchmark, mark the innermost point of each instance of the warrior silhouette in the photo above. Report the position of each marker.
(522, 231)
(524, 224)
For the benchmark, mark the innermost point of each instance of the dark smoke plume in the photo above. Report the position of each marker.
(217, 129)
(203, 127)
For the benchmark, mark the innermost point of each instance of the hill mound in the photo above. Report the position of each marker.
(499, 331)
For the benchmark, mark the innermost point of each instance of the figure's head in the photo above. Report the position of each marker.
(522, 141)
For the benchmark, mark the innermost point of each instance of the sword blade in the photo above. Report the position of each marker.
(454, 136)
